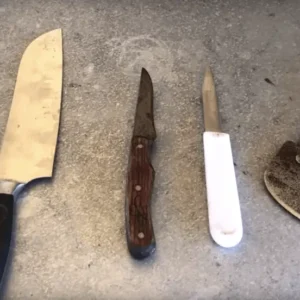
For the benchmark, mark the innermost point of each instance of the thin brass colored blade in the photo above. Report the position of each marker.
(210, 106)
(29, 142)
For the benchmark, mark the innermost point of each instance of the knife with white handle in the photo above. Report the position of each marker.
(224, 213)
(29, 142)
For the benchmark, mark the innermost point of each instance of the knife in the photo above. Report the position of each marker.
(29, 142)
(282, 177)
(139, 229)
(224, 214)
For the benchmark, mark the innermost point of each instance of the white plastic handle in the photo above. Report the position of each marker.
(224, 213)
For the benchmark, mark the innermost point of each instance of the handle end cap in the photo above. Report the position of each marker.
(141, 253)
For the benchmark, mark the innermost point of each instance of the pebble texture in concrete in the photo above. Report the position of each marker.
(69, 238)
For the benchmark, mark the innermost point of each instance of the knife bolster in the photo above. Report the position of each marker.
(140, 234)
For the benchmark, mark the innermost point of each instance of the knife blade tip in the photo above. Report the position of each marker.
(208, 70)
(145, 75)
(145, 72)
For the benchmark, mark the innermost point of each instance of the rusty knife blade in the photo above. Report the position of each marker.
(144, 120)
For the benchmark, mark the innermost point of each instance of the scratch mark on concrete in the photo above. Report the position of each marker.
(144, 51)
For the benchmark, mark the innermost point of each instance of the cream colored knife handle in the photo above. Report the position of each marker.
(225, 221)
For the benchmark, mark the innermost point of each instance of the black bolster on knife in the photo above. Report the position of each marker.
(6, 224)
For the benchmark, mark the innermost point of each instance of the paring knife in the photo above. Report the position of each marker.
(282, 177)
(139, 229)
(29, 142)
(224, 214)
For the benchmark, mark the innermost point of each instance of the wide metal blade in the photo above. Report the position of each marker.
(282, 178)
(29, 142)
(144, 120)
(210, 105)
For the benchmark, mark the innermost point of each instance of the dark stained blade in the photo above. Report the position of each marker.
(144, 120)
(282, 178)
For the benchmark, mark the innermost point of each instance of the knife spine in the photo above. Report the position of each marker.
(224, 213)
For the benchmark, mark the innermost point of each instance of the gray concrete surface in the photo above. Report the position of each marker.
(69, 235)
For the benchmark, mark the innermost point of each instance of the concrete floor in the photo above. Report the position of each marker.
(69, 236)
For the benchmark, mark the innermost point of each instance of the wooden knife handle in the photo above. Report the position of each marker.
(140, 234)
(6, 224)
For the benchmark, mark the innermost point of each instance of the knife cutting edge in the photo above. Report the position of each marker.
(139, 229)
(224, 214)
(29, 142)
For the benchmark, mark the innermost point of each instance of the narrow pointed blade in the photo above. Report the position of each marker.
(144, 120)
(210, 105)
(30, 138)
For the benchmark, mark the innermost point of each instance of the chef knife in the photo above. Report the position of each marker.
(225, 221)
(29, 142)
(282, 177)
(140, 235)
